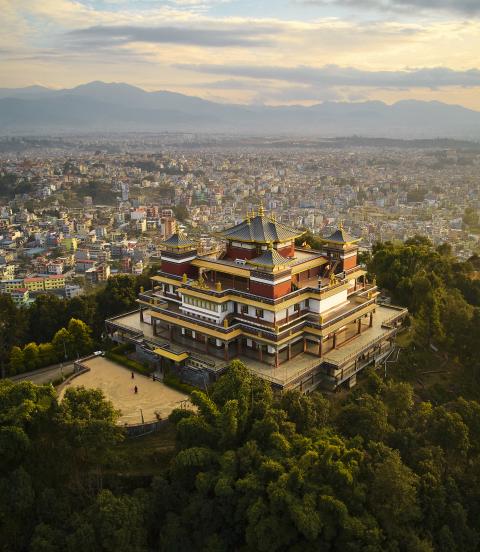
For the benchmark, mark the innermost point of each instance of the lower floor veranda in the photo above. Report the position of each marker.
(269, 354)
(355, 343)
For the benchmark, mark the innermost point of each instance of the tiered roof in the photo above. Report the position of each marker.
(341, 237)
(260, 228)
(178, 241)
(270, 259)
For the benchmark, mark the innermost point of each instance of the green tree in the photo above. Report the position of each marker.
(46, 354)
(80, 337)
(17, 361)
(47, 316)
(393, 493)
(51, 459)
(63, 345)
(31, 356)
(12, 329)
(366, 416)
(118, 296)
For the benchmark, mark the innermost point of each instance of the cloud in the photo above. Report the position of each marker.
(269, 90)
(333, 75)
(106, 36)
(466, 7)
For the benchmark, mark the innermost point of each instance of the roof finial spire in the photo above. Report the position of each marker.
(341, 225)
(261, 210)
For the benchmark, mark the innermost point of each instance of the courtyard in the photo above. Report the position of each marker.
(118, 386)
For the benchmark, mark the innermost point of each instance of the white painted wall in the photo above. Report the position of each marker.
(333, 301)
(324, 305)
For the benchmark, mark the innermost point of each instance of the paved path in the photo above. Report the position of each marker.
(45, 375)
(118, 386)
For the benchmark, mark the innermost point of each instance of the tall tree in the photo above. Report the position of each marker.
(80, 337)
(13, 326)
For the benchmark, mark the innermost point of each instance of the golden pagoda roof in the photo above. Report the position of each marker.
(178, 241)
(270, 259)
(341, 236)
(260, 228)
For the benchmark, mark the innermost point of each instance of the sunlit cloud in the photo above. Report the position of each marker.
(101, 36)
(238, 53)
(467, 7)
(332, 75)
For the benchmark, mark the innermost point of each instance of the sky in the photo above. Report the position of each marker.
(250, 51)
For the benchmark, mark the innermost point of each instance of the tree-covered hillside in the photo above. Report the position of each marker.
(377, 471)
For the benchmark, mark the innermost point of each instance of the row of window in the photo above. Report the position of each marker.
(202, 304)
(259, 313)
(243, 309)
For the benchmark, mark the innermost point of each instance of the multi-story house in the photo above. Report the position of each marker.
(20, 296)
(296, 317)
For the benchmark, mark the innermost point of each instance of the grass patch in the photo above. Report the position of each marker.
(405, 338)
(176, 383)
(133, 365)
(435, 376)
(148, 455)
(123, 348)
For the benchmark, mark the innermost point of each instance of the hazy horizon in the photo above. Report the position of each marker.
(218, 100)
(274, 53)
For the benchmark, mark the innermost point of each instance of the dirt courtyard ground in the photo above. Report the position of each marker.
(118, 386)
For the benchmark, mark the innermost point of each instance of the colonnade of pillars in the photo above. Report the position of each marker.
(238, 348)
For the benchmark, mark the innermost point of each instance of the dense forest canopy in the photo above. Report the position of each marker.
(377, 471)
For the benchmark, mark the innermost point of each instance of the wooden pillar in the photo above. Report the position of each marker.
(141, 315)
(154, 327)
(304, 345)
(334, 340)
(225, 351)
(260, 352)
(359, 326)
(371, 319)
(320, 348)
(276, 358)
(289, 353)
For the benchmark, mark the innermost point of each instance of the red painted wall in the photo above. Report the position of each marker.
(272, 292)
(349, 263)
(240, 253)
(179, 269)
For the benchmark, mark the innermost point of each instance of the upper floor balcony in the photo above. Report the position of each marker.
(318, 288)
(163, 307)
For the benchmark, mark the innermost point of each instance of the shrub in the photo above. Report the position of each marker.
(128, 363)
(122, 348)
(175, 383)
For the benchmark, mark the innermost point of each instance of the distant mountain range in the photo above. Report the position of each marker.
(119, 107)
